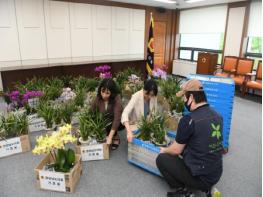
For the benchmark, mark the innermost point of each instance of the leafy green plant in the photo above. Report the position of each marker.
(93, 123)
(13, 125)
(80, 97)
(92, 84)
(123, 76)
(157, 122)
(176, 104)
(145, 129)
(170, 86)
(65, 160)
(152, 127)
(53, 90)
(57, 114)
(85, 127)
(66, 79)
(67, 110)
(84, 83)
(31, 84)
(46, 111)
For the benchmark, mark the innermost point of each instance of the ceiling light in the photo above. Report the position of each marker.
(166, 1)
(193, 1)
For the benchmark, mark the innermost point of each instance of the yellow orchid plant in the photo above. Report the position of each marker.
(55, 145)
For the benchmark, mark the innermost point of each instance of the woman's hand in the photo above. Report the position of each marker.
(129, 136)
(109, 137)
(109, 140)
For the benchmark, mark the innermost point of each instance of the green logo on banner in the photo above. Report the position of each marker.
(216, 130)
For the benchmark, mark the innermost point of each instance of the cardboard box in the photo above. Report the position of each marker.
(14, 146)
(58, 181)
(144, 154)
(93, 152)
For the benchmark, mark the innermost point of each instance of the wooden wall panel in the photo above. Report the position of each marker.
(9, 77)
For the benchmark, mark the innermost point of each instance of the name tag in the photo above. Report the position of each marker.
(10, 147)
(52, 181)
(33, 102)
(36, 123)
(92, 152)
(38, 126)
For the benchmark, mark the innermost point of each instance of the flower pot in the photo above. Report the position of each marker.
(164, 144)
(101, 141)
(85, 142)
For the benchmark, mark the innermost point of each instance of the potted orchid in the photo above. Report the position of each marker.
(159, 73)
(54, 145)
(104, 71)
(58, 160)
(29, 100)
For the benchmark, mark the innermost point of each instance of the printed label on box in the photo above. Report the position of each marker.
(33, 102)
(52, 181)
(37, 126)
(92, 152)
(10, 146)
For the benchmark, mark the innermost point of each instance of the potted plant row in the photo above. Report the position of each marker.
(150, 136)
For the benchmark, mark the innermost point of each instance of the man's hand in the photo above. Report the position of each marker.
(162, 150)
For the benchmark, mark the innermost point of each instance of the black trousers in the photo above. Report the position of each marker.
(177, 174)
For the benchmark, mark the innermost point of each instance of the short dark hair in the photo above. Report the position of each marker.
(150, 85)
(199, 96)
(108, 84)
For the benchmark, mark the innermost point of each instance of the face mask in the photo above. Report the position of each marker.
(188, 107)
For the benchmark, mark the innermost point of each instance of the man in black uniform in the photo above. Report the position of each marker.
(194, 160)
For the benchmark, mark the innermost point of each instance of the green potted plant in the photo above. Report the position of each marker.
(159, 133)
(54, 144)
(145, 129)
(13, 125)
(93, 123)
(169, 87)
(85, 126)
(57, 114)
(46, 110)
(176, 104)
(152, 129)
(80, 97)
(14, 134)
(99, 123)
(58, 159)
(67, 110)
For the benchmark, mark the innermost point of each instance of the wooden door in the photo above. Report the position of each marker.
(159, 31)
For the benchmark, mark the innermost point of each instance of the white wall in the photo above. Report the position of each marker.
(35, 33)
(9, 45)
(234, 31)
(57, 31)
(31, 31)
(81, 32)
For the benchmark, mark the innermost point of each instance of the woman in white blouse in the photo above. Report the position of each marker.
(141, 104)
